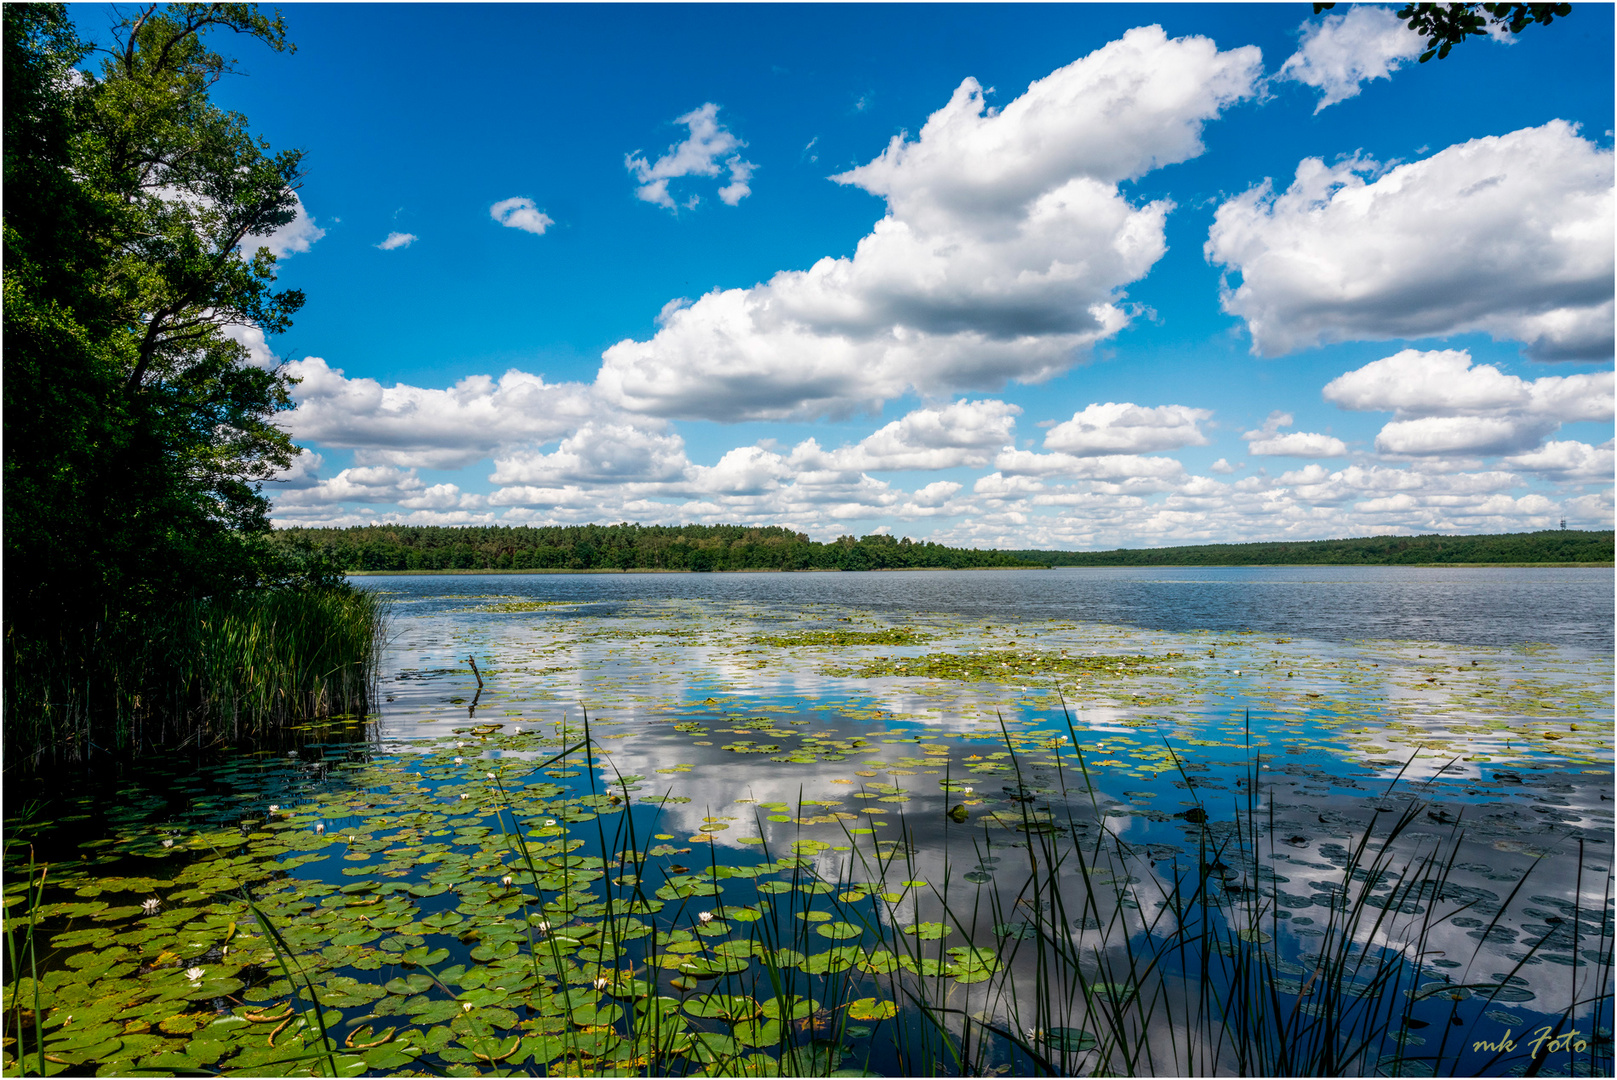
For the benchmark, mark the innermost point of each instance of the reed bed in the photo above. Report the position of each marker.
(200, 672)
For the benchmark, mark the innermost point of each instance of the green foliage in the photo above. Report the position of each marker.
(622, 547)
(1548, 546)
(206, 670)
(137, 433)
(1446, 25)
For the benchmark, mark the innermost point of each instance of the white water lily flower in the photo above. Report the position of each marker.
(549, 822)
(518, 729)
(506, 881)
(704, 917)
(491, 776)
(168, 843)
(149, 906)
(542, 927)
(274, 808)
(464, 795)
(465, 1006)
(320, 828)
(602, 984)
(460, 761)
(195, 974)
(460, 746)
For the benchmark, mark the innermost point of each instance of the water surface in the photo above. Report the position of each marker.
(874, 766)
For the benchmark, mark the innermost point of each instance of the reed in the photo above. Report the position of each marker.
(1176, 974)
(23, 1015)
(1091, 960)
(197, 673)
(1188, 978)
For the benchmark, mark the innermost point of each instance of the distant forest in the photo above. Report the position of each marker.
(742, 547)
(1550, 546)
(621, 547)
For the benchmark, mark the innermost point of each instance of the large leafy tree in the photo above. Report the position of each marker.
(137, 432)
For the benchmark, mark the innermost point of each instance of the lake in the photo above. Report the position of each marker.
(1176, 821)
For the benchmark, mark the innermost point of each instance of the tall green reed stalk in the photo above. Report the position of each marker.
(1184, 975)
(23, 1014)
(1097, 964)
(200, 672)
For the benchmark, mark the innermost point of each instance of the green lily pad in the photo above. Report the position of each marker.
(789, 1007)
(838, 931)
(723, 1007)
(871, 1009)
(758, 1033)
(928, 931)
(597, 1015)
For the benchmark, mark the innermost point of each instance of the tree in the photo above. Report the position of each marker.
(137, 432)
(1446, 25)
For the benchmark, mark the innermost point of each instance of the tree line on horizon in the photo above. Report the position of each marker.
(620, 547)
(1548, 546)
(625, 546)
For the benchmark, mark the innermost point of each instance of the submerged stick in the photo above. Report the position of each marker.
(472, 660)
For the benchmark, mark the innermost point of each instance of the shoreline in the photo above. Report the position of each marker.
(976, 569)
(656, 570)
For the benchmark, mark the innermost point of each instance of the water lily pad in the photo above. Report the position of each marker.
(838, 931)
(435, 1012)
(723, 1007)
(596, 1016)
(788, 1007)
(758, 1032)
(871, 1009)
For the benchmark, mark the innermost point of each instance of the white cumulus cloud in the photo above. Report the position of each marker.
(295, 236)
(1003, 253)
(1269, 441)
(378, 485)
(1567, 460)
(1506, 234)
(1462, 435)
(1100, 467)
(1445, 404)
(599, 452)
(1445, 382)
(698, 155)
(414, 426)
(1126, 428)
(520, 213)
(396, 240)
(251, 338)
(942, 437)
(1341, 52)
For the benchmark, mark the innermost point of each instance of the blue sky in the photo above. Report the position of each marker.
(1157, 275)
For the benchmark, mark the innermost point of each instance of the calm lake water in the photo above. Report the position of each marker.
(899, 787)
(1458, 606)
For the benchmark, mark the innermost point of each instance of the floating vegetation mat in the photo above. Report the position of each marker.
(719, 839)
